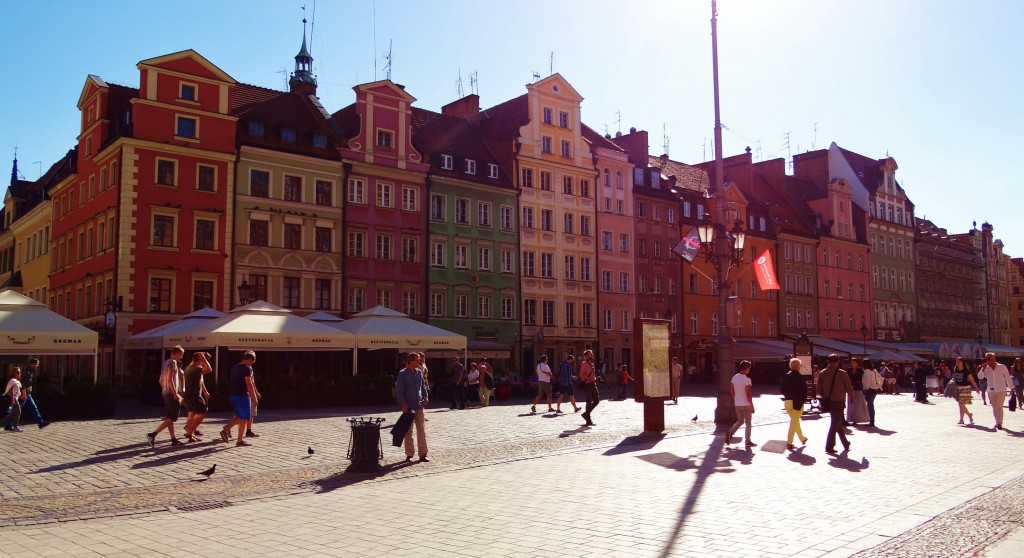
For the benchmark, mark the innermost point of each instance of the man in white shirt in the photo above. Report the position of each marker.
(999, 383)
(543, 384)
(743, 398)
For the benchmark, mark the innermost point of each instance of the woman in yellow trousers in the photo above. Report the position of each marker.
(794, 392)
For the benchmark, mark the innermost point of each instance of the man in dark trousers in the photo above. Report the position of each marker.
(458, 379)
(834, 386)
(920, 378)
(28, 377)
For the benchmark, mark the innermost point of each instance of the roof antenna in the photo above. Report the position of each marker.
(473, 83)
(618, 121)
(814, 144)
(387, 67)
(551, 64)
(664, 138)
(458, 85)
(536, 76)
(789, 152)
(374, 40)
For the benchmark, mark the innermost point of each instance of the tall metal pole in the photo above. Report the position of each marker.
(725, 411)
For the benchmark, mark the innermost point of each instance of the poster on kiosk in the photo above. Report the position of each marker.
(653, 373)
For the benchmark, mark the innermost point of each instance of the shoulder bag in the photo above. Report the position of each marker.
(826, 404)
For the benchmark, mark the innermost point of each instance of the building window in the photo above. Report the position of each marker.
(545, 144)
(545, 181)
(507, 305)
(623, 282)
(324, 237)
(606, 280)
(288, 135)
(624, 243)
(530, 312)
(259, 183)
(186, 92)
(206, 178)
(492, 170)
(356, 297)
(446, 162)
(506, 261)
(461, 305)
(410, 250)
(322, 294)
(584, 269)
(436, 304)
(566, 148)
(547, 115)
(546, 218)
(357, 244)
(293, 236)
(563, 119)
(526, 178)
(606, 240)
(319, 141)
(570, 268)
(384, 298)
(528, 264)
(292, 188)
(548, 312)
(259, 232)
(568, 223)
(291, 292)
(206, 234)
(159, 294)
(256, 129)
(462, 211)
(384, 247)
(547, 264)
(384, 138)
(410, 199)
(483, 214)
(570, 314)
(585, 188)
(584, 225)
(411, 303)
(202, 295)
(357, 191)
(470, 166)
(437, 254)
(324, 194)
(527, 217)
(186, 127)
(384, 195)
(506, 218)
(166, 172)
(163, 232)
(484, 258)
(567, 185)
(437, 209)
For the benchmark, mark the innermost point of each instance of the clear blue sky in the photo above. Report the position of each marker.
(936, 84)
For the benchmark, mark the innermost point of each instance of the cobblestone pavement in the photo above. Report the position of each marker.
(505, 482)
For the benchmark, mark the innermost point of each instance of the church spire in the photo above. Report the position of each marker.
(14, 169)
(302, 80)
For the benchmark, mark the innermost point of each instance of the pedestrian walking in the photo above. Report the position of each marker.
(676, 379)
(999, 385)
(982, 383)
(566, 378)
(588, 375)
(458, 394)
(964, 379)
(171, 385)
(743, 398)
(1016, 373)
(473, 384)
(242, 395)
(28, 376)
(249, 433)
(412, 397)
(872, 384)
(543, 384)
(834, 386)
(920, 379)
(794, 394)
(623, 381)
(195, 397)
(857, 411)
(13, 398)
(486, 383)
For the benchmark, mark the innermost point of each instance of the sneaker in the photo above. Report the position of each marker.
(151, 438)
(533, 409)
(16, 429)
(550, 410)
(224, 435)
(43, 425)
(750, 444)
(242, 443)
(251, 434)
(197, 434)
(176, 442)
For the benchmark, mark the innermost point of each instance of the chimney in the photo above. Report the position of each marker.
(467, 107)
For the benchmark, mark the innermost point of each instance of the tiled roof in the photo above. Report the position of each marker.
(780, 208)
(276, 111)
(434, 134)
(597, 140)
(346, 122)
(867, 169)
(687, 176)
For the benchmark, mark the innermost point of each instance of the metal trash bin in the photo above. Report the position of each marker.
(364, 445)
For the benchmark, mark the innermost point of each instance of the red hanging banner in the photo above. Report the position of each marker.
(765, 272)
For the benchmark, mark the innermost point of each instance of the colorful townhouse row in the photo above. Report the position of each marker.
(514, 225)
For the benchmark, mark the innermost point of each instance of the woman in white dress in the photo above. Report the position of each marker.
(857, 409)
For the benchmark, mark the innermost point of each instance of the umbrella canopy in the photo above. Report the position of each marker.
(154, 338)
(260, 325)
(30, 328)
(383, 328)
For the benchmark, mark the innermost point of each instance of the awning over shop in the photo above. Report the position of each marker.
(756, 352)
(476, 349)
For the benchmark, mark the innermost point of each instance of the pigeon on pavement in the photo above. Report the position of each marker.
(209, 471)
(309, 450)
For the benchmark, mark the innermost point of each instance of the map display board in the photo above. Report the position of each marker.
(654, 378)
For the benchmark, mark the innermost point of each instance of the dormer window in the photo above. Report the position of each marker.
(256, 129)
(492, 170)
(288, 135)
(187, 92)
(470, 166)
(319, 141)
(446, 162)
(384, 139)
(187, 127)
